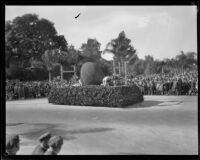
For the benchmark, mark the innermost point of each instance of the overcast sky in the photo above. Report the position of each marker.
(161, 31)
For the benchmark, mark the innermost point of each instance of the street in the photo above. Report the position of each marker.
(159, 125)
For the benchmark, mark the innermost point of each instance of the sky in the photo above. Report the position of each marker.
(160, 31)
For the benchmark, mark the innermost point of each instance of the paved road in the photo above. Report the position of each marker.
(159, 125)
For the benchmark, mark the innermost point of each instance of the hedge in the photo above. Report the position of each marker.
(94, 95)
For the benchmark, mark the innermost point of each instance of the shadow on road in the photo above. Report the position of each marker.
(145, 104)
(89, 130)
(13, 124)
(34, 134)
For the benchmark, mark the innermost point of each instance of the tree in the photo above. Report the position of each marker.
(59, 42)
(37, 64)
(181, 58)
(91, 50)
(121, 48)
(158, 66)
(50, 61)
(28, 37)
(62, 58)
(191, 59)
(139, 67)
(186, 60)
(149, 67)
(66, 58)
(106, 66)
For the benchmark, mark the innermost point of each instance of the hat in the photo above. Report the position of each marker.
(56, 141)
(11, 141)
(45, 136)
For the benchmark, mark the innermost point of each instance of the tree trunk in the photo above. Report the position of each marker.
(114, 71)
(125, 67)
(119, 66)
(182, 70)
(122, 68)
(49, 76)
(74, 70)
(61, 72)
(114, 68)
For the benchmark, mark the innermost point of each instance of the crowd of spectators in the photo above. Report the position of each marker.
(178, 84)
(16, 89)
(155, 84)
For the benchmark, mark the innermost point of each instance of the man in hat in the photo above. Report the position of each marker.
(55, 144)
(41, 148)
(12, 144)
(106, 81)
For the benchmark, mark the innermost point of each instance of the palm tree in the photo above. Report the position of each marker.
(121, 49)
(111, 50)
(182, 61)
(49, 61)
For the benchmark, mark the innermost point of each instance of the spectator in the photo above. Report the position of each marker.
(55, 144)
(106, 81)
(152, 84)
(12, 144)
(41, 148)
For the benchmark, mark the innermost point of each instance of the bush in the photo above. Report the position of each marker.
(93, 95)
(91, 74)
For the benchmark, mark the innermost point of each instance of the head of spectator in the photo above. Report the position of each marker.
(106, 80)
(55, 144)
(44, 139)
(43, 146)
(12, 144)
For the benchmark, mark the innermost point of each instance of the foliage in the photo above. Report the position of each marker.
(106, 66)
(149, 68)
(157, 66)
(49, 61)
(138, 67)
(32, 43)
(91, 74)
(92, 95)
(27, 37)
(122, 50)
(186, 59)
(37, 64)
(174, 65)
(121, 47)
(91, 50)
(67, 58)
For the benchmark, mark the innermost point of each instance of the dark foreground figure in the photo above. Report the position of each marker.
(55, 144)
(48, 145)
(41, 148)
(12, 144)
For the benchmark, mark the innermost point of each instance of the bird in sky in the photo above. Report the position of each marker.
(78, 15)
